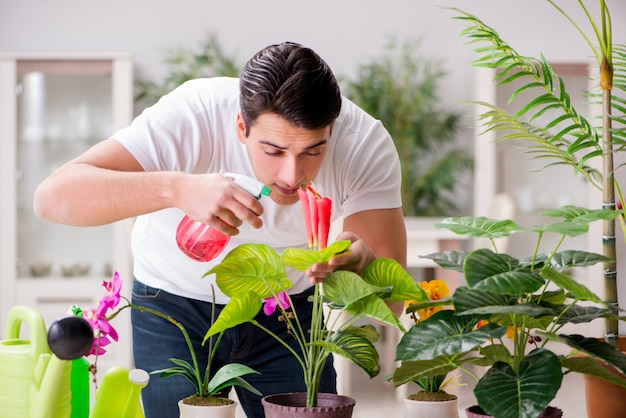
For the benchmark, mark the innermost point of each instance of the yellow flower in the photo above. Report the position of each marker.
(436, 290)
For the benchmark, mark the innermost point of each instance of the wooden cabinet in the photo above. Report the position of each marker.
(53, 108)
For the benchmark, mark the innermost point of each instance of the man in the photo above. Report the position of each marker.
(282, 122)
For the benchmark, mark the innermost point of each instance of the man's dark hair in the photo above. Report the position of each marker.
(293, 82)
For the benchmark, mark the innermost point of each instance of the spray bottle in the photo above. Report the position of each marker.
(203, 243)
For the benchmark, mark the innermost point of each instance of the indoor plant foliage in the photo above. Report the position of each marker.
(207, 387)
(529, 300)
(551, 126)
(400, 89)
(431, 386)
(252, 274)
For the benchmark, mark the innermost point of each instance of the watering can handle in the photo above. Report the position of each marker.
(36, 323)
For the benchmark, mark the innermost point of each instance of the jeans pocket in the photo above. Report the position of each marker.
(142, 292)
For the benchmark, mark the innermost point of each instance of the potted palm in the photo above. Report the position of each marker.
(255, 274)
(209, 398)
(534, 297)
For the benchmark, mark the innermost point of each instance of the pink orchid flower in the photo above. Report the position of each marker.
(271, 303)
(112, 290)
(97, 347)
(102, 328)
(316, 211)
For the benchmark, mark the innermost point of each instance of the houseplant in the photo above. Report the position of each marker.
(555, 131)
(208, 387)
(432, 400)
(400, 88)
(529, 299)
(252, 273)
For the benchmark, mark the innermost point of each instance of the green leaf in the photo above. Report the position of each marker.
(230, 375)
(412, 370)
(479, 227)
(355, 344)
(251, 268)
(301, 259)
(388, 273)
(576, 258)
(565, 282)
(475, 301)
(450, 260)
(592, 367)
(445, 333)
(375, 308)
(580, 214)
(241, 308)
(525, 393)
(486, 270)
(595, 348)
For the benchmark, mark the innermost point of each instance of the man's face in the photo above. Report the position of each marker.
(284, 157)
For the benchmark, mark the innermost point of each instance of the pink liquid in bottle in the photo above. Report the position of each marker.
(199, 241)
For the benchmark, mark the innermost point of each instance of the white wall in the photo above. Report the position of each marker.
(344, 32)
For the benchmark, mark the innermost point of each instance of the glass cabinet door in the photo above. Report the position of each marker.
(63, 108)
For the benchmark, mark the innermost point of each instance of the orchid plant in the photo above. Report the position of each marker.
(254, 276)
(207, 388)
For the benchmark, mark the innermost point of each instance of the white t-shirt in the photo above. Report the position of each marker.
(192, 129)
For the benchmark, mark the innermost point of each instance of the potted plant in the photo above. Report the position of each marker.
(432, 400)
(567, 138)
(253, 274)
(529, 300)
(208, 388)
(400, 89)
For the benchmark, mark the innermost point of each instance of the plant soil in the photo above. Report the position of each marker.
(207, 400)
(432, 396)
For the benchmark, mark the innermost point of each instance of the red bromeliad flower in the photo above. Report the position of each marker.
(316, 210)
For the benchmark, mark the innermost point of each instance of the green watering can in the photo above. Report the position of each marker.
(34, 382)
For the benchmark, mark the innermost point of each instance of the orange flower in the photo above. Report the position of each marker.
(481, 323)
(436, 290)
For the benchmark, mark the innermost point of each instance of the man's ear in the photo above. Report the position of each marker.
(241, 128)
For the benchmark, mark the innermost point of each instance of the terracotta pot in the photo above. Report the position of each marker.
(605, 399)
(550, 412)
(211, 411)
(431, 409)
(290, 405)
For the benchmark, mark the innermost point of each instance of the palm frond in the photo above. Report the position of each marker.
(574, 141)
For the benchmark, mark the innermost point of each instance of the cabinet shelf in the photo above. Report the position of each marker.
(55, 108)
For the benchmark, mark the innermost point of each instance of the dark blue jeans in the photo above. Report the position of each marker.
(155, 341)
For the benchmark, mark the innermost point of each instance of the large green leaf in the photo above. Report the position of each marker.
(301, 259)
(479, 227)
(592, 367)
(576, 258)
(357, 345)
(343, 288)
(444, 333)
(565, 282)
(450, 260)
(595, 348)
(230, 375)
(241, 308)
(251, 267)
(524, 394)
(475, 301)
(498, 273)
(388, 273)
(412, 370)
(580, 214)
(375, 308)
